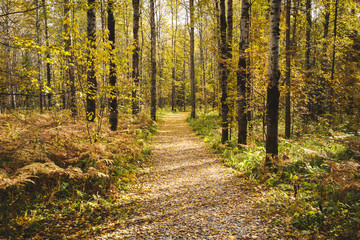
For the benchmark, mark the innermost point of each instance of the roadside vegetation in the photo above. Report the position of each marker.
(59, 176)
(313, 189)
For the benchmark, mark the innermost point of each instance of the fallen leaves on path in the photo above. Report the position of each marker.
(189, 194)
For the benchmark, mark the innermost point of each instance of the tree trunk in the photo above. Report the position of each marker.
(243, 73)
(69, 59)
(308, 36)
(153, 60)
(173, 85)
(229, 29)
(48, 67)
(38, 55)
(224, 75)
(135, 60)
(229, 38)
(192, 61)
(333, 60)
(324, 62)
(272, 105)
(307, 59)
(113, 105)
(159, 58)
(288, 72)
(202, 60)
(91, 78)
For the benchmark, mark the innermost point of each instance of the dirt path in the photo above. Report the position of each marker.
(189, 194)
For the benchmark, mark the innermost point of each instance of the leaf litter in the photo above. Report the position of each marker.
(189, 194)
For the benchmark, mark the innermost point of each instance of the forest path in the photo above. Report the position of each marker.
(189, 194)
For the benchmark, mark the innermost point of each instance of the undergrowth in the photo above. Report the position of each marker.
(53, 173)
(315, 189)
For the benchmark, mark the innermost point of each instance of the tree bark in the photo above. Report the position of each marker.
(135, 58)
(173, 70)
(288, 72)
(243, 73)
(308, 36)
(38, 56)
(202, 60)
(307, 59)
(322, 84)
(224, 75)
(70, 59)
(91, 78)
(192, 61)
(48, 56)
(113, 105)
(333, 59)
(272, 105)
(153, 60)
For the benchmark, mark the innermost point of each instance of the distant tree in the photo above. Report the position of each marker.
(273, 93)
(91, 78)
(331, 111)
(192, 61)
(39, 67)
(173, 42)
(307, 65)
(70, 76)
(288, 72)
(113, 105)
(135, 58)
(153, 59)
(48, 67)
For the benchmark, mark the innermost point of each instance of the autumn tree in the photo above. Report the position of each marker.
(69, 59)
(135, 60)
(91, 78)
(224, 74)
(273, 93)
(288, 72)
(243, 73)
(192, 61)
(113, 105)
(153, 59)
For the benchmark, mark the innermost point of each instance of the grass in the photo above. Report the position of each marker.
(316, 187)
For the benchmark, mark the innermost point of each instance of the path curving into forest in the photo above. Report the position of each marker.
(189, 194)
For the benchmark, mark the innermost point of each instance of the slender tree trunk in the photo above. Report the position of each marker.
(186, 59)
(91, 78)
(113, 105)
(217, 53)
(153, 59)
(159, 58)
(333, 59)
(38, 55)
(192, 61)
(288, 72)
(229, 39)
(308, 36)
(307, 57)
(173, 85)
(202, 61)
(272, 105)
(48, 67)
(135, 60)
(224, 75)
(141, 59)
(243, 73)
(69, 59)
(324, 61)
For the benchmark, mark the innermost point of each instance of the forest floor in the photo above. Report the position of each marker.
(188, 194)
